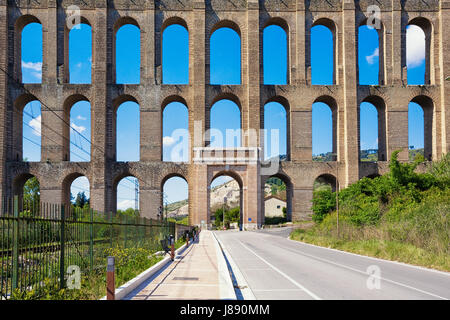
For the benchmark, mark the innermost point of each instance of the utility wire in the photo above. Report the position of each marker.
(63, 120)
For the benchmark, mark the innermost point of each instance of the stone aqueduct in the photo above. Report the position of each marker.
(201, 18)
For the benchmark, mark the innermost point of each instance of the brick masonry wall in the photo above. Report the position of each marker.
(248, 17)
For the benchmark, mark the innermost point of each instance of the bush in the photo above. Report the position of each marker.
(402, 206)
(324, 201)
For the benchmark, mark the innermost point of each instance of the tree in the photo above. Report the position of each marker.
(31, 191)
(81, 200)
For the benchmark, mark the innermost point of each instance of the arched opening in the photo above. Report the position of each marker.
(80, 53)
(79, 195)
(420, 127)
(324, 196)
(127, 131)
(175, 132)
(27, 188)
(368, 55)
(225, 57)
(277, 200)
(276, 131)
(175, 55)
(324, 129)
(127, 196)
(372, 128)
(325, 182)
(225, 133)
(322, 55)
(128, 54)
(275, 55)
(31, 52)
(31, 131)
(368, 132)
(175, 199)
(418, 51)
(80, 131)
(225, 202)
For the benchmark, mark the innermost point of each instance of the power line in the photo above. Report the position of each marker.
(63, 120)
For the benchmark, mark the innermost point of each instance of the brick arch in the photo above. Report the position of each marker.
(326, 22)
(329, 178)
(173, 175)
(428, 29)
(212, 25)
(122, 175)
(285, 178)
(120, 99)
(19, 24)
(174, 20)
(380, 106)
(173, 98)
(19, 180)
(67, 105)
(381, 44)
(333, 27)
(67, 183)
(226, 96)
(229, 173)
(235, 176)
(116, 103)
(83, 20)
(277, 21)
(119, 23)
(284, 102)
(283, 24)
(123, 20)
(223, 96)
(225, 23)
(427, 105)
(17, 126)
(332, 104)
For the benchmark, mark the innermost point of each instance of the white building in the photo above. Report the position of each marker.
(274, 206)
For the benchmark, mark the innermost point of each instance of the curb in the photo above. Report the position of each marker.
(239, 282)
(132, 284)
(226, 287)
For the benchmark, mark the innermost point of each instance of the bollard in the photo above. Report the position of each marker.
(187, 239)
(172, 248)
(110, 281)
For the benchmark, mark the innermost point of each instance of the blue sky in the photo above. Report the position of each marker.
(225, 65)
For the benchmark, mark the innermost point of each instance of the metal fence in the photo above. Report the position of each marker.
(40, 241)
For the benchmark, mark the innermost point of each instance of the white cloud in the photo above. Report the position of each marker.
(168, 141)
(415, 46)
(80, 129)
(125, 204)
(81, 118)
(35, 66)
(79, 65)
(371, 59)
(36, 125)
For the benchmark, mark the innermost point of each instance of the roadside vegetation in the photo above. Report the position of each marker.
(402, 215)
(130, 262)
(231, 216)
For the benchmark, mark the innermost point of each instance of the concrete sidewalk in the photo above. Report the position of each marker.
(200, 272)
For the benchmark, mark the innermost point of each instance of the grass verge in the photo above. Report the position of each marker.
(378, 248)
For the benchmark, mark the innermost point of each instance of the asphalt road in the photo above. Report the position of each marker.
(275, 267)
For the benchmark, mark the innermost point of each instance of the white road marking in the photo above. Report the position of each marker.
(365, 273)
(282, 273)
(373, 258)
